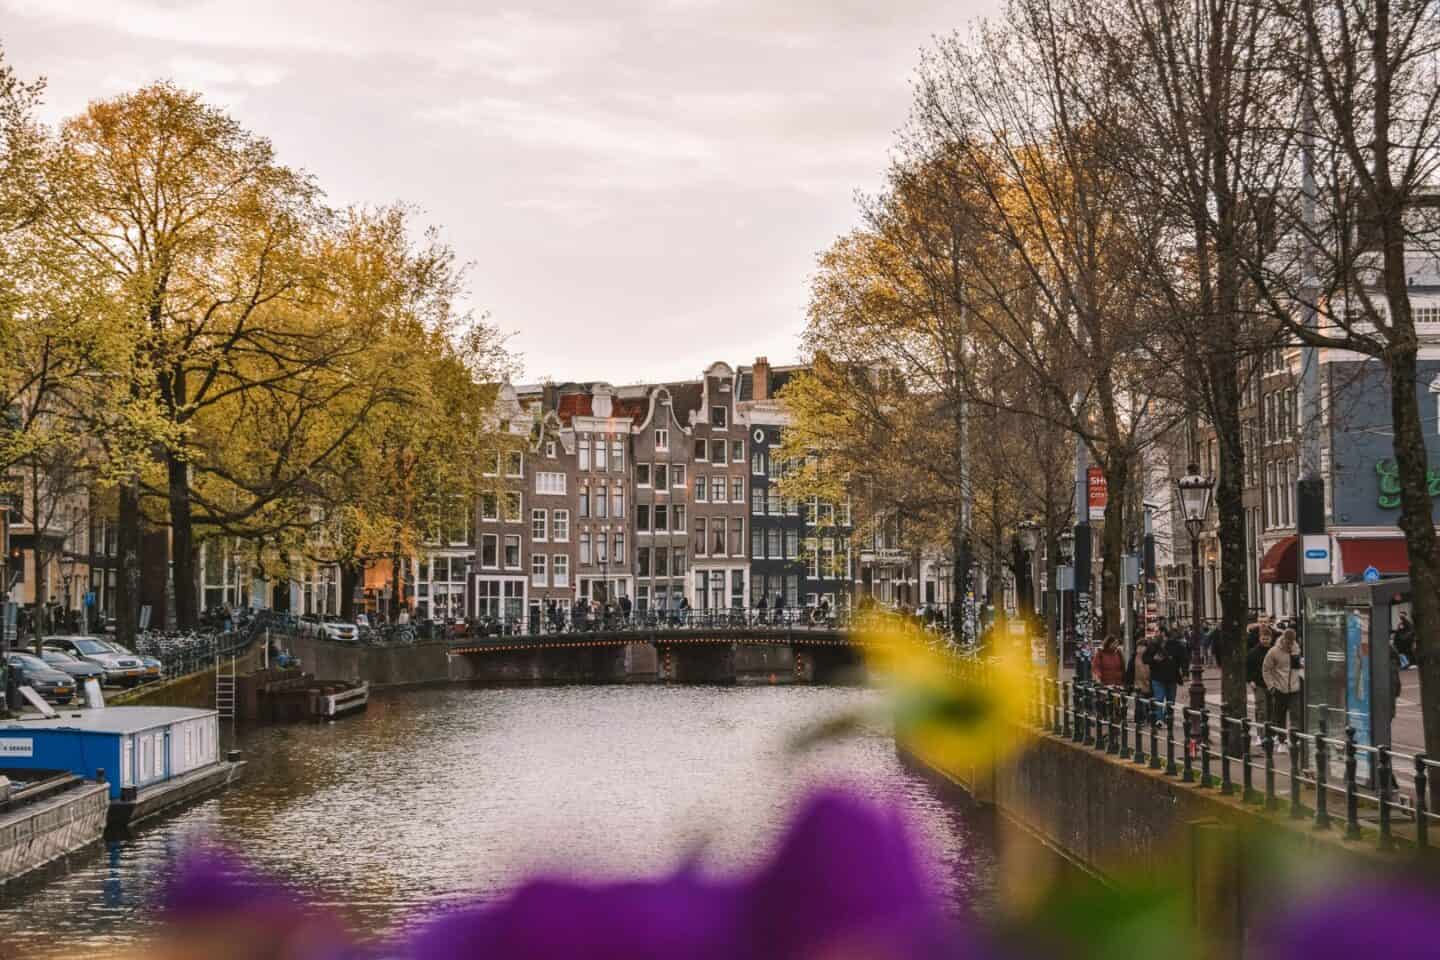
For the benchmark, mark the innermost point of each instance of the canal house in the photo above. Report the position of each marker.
(152, 757)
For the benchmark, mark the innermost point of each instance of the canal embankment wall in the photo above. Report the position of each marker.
(34, 834)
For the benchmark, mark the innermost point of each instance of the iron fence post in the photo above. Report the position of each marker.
(1322, 778)
(1186, 724)
(1170, 768)
(1382, 777)
(1422, 804)
(1268, 742)
(1352, 795)
(1205, 747)
(1247, 775)
(1296, 809)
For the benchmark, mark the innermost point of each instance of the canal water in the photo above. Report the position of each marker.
(445, 793)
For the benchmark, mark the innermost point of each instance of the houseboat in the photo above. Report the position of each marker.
(153, 758)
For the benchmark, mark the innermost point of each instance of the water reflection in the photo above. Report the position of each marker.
(444, 793)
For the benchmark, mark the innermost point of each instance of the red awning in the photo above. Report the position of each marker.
(1386, 554)
(1281, 562)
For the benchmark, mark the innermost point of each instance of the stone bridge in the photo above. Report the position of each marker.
(744, 654)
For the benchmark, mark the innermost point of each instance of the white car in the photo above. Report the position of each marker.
(337, 629)
(125, 669)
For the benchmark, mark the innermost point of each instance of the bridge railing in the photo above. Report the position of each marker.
(649, 621)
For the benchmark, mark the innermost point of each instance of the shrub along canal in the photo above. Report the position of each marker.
(444, 793)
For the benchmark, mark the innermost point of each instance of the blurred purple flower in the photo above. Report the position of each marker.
(1384, 920)
(845, 882)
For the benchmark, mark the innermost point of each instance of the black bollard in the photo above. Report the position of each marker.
(1188, 776)
(1296, 810)
(1247, 774)
(1422, 802)
(1170, 768)
(1124, 728)
(1152, 719)
(1382, 777)
(1227, 786)
(1322, 777)
(1205, 780)
(1267, 740)
(1065, 710)
(1352, 794)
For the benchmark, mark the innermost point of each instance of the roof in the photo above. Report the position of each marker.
(109, 720)
(573, 405)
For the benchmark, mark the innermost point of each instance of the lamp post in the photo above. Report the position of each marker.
(1194, 489)
(1029, 537)
(1067, 553)
(67, 573)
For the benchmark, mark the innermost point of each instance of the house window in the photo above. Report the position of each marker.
(700, 488)
(717, 536)
(792, 543)
(737, 589)
(512, 551)
(642, 561)
(602, 548)
(757, 543)
(717, 451)
(677, 518)
(792, 506)
(701, 449)
(642, 474)
(560, 526)
(774, 504)
(550, 449)
(601, 504)
(617, 502)
(757, 464)
(717, 489)
(489, 550)
(583, 450)
(662, 440)
(772, 540)
(717, 418)
(538, 569)
(584, 502)
(538, 524)
(619, 546)
(661, 524)
(662, 477)
(757, 501)
(773, 468)
(642, 517)
(737, 537)
(737, 451)
(737, 489)
(677, 561)
(489, 506)
(549, 483)
(677, 472)
(617, 455)
(560, 567)
(700, 537)
(515, 464)
(792, 591)
(599, 453)
(662, 564)
(512, 508)
(585, 559)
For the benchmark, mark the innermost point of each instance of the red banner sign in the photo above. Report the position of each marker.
(1098, 493)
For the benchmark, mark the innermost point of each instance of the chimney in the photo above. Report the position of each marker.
(761, 376)
(549, 397)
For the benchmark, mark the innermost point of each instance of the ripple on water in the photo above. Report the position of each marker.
(437, 794)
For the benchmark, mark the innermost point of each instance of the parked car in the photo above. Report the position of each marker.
(68, 663)
(345, 631)
(152, 665)
(54, 685)
(124, 669)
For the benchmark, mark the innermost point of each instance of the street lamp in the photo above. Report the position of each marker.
(1066, 542)
(1194, 489)
(67, 572)
(1029, 536)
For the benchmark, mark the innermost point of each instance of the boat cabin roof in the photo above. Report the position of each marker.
(116, 720)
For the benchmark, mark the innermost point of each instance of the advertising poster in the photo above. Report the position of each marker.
(1097, 493)
(1357, 684)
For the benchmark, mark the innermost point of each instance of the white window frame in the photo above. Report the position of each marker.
(724, 418)
(677, 475)
(539, 570)
(642, 474)
(550, 449)
(560, 526)
(717, 486)
(518, 457)
(550, 483)
(560, 570)
(519, 552)
(539, 525)
(495, 537)
(662, 439)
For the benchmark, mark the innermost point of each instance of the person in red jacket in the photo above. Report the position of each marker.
(1110, 664)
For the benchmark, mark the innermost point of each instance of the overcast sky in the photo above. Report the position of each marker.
(642, 185)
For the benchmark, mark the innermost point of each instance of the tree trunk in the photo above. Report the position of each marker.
(349, 577)
(396, 588)
(1112, 545)
(127, 581)
(1418, 526)
(182, 544)
(1234, 606)
(959, 574)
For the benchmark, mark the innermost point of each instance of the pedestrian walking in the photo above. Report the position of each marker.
(625, 608)
(1282, 680)
(1255, 675)
(1140, 677)
(760, 608)
(1110, 664)
(1168, 660)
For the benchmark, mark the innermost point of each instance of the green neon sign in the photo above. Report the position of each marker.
(1389, 474)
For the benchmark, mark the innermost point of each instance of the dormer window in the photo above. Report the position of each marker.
(718, 417)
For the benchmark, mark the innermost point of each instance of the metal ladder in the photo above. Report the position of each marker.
(225, 688)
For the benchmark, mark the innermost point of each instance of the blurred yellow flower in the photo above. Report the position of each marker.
(951, 711)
